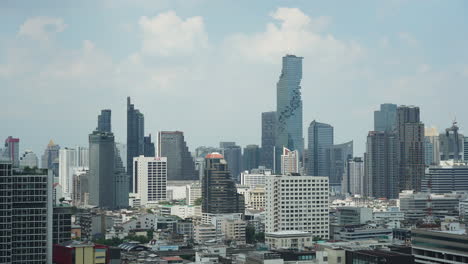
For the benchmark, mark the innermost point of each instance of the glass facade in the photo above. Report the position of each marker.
(320, 140)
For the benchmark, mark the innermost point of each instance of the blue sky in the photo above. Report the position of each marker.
(209, 68)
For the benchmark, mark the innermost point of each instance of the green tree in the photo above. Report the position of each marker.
(198, 201)
(149, 211)
(250, 234)
(150, 234)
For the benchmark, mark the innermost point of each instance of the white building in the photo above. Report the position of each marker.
(289, 240)
(67, 162)
(298, 203)
(289, 161)
(150, 178)
(255, 198)
(192, 193)
(353, 177)
(255, 177)
(28, 159)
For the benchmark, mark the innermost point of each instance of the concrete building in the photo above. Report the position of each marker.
(451, 144)
(268, 140)
(62, 224)
(25, 216)
(234, 230)
(255, 198)
(67, 163)
(447, 177)
(320, 138)
(289, 162)
(297, 203)
(80, 192)
(361, 233)
(415, 205)
(431, 137)
(385, 118)
(180, 164)
(251, 157)
(150, 179)
(289, 109)
(78, 252)
(298, 240)
(28, 159)
(12, 150)
(439, 247)
(193, 192)
(204, 233)
(353, 215)
(233, 155)
(135, 138)
(354, 177)
(255, 177)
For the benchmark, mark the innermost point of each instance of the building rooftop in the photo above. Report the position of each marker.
(214, 155)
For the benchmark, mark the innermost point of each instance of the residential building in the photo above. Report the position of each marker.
(104, 121)
(234, 230)
(297, 203)
(447, 177)
(150, 178)
(233, 155)
(431, 141)
(204, 233)
(289, 162)
(336, 157)
(451, 144)
(28, 159)
(430, 246)
(353, 215)
(80, 192)
(67, 163)
(289, 108)
(410, 137)
(251, 157)
(320, 139)
(219, 191)
(62, 224)
(25, 216)
(50, 155)
(135, 137)
(12, 150)
(255, 198)
(385, 118)
(268, 139)
(255, 177)
(298, 240)
(180, 164)
(353, 176)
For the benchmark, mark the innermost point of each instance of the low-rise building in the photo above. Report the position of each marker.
(353, 215)
(439, 247)
(378, 257)
(289, 240)
(363, 233)
(234, 230)
(205, 233)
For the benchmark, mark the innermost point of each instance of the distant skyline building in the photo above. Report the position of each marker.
(150, 178)
(465, 149)
(12, 150)
(354, 176)
(289, 162)
(268, 139)
(233, 155)
(29, 159)
(320, 138)
(202, 151)
(289, 108)
(336, 158)
(67, 162)
(219, 192)
(385, 118)
(432, 141)
(50, 155)
(104, 121)
(410, 136)
(251, 157)
(451, 144)
(149, 149)
(180, 164)
(135, 137)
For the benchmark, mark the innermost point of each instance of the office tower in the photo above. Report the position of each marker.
(289, 162)
(320, 139)
(80, 187)
(289, 108)
(353, 176)
(180, 165)
(219, 192)
(410, 136)
(381, 171)
(104, 121)
(268, 139)
(336, 157)
(297, 203)
(51, 154)
(431, 140)
(150, 178)
(385, 118)
(233, 155)
(12, 150)
(121, 180)
(123, 153)
(149, 150)
(101, 170)
(448, 177)
(28, 159)
(67, 162)
(82, 155)
(451, 144)
(61, 223)
(25, 216)
(251, 157)
(135, 137)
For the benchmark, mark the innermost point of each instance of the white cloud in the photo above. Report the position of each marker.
(42, 28)
(168, 34)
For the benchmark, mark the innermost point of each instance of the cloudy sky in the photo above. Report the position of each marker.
(210, 67)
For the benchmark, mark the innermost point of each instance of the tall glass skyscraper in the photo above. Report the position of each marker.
(104, 121)
(135, 137)
(268, 139)
(385, 118)
(319, 141)
(289, 108)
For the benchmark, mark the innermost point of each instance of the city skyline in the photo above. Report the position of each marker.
(424, 72)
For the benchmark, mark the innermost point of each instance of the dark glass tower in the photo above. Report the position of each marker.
(336, 158)
(319, 141)
(104, 121)
(180, 164)
(268, 139)
(149, 147)
(135, 137)
(251, 157)
(385, 118)
(289, 108)
(233, 155)
(219, 193)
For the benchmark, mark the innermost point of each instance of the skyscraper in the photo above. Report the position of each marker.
(289, 162)
(50, 155)
(104, 121)
(135, 137)
(410, 135)
(289, 108)
(233, 155)
(385, 118)
(336, 157)
(149, 150)
(451, 144)
(251, 157)
(381, 167)
(180, 164)
(353, 176)
(219, 192)
(12, 150)
(431, 136)
(67, 162)
(320, 139)
(268, 139)
(150, 178)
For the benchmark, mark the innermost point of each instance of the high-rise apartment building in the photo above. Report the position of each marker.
(29, 159)
(61, 223)
(353, 176)
(381, 167)
(320, 139)
(336, 157)
(150, 178)
(25, 216)
(149, 150)
(410, 136)
(431, 140)
(297, 203)
(180, 164)
(104, 121)
(50, 155)
(289, 162)
(135, 137)
(12, 150)
(289, 108)
(268, 139)
(451, 144)
(233, 155)
(385, 118)
(251, 157)
(219, 192)
(67, 162)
